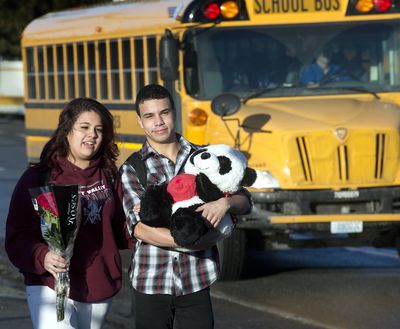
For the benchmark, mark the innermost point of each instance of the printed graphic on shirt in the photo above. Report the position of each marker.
(93, 198)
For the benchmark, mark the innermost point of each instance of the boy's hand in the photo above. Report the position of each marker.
(214, 211)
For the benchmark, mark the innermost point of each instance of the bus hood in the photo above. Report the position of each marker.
(310, 114)
(343, 143)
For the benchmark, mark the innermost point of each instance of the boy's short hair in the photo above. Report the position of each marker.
(153, 91)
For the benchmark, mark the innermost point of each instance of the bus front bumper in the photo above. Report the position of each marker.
(306, 209)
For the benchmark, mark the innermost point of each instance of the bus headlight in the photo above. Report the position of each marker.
(264, 179)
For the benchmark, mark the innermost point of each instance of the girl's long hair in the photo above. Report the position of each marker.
(58, 147)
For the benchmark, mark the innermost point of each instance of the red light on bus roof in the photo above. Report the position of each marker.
(383, 5)
(212, 10)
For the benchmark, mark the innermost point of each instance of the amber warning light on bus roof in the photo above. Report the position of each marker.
(360, 7)
(215, 11)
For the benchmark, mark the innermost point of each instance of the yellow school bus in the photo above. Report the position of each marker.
(247, 73)
(11, 87)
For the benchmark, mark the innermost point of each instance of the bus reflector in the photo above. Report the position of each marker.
(198, 117)
(212, 10)
(229, 9)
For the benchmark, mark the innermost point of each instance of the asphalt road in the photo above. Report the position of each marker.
(12, 161)
(346, 288)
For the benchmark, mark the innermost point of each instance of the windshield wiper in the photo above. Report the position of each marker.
(351, 88)
(261, 92)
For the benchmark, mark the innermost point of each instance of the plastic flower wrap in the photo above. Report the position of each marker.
(59, 209)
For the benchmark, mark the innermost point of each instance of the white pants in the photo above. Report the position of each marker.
(42, 307)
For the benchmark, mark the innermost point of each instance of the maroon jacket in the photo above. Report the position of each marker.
(95, 268)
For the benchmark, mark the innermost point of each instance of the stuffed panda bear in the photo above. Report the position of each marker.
(210, 173)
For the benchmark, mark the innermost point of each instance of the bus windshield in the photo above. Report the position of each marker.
(277, 60)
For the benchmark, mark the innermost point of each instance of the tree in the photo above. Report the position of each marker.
(16, 14)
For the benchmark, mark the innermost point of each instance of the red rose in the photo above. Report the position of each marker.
(48, 202)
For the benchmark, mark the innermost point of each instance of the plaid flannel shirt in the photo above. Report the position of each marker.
(157, 270)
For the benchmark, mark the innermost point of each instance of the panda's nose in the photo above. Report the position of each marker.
(205, 155)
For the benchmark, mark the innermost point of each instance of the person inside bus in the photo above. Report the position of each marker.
(291, 66)
(323, 71)
(365, 59)
(80, 152)
(349, 59)
(171, 288)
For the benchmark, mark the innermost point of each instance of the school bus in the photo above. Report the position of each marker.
(11, 87)
(239, 71)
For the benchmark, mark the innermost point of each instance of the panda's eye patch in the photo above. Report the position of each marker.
(205, 156)
(225, 165)
(191, 159)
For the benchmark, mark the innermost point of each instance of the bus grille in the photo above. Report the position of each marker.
(343, 162)
(363, 158)
(380, 155)
(304, 157)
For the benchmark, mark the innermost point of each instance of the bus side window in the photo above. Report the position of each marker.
(191, 72)
(92, 69)
(127, 68)
(60, 72)
(114, 68)
(139, 62)
(103, 70)
(30, 68)
(70, 72)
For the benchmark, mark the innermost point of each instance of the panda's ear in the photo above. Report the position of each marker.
(250, 176)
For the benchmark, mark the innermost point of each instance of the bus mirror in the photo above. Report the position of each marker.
(168, 56)
(225, 104)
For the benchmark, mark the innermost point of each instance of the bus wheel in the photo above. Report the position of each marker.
(231, 255)
(397, 244)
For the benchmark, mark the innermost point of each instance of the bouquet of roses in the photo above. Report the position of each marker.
(59, 209)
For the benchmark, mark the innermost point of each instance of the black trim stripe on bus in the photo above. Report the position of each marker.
(127, 138)
(56, 106)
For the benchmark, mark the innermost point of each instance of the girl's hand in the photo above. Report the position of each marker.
(54, 263)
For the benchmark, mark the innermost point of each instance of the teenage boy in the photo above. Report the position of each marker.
(171, 288)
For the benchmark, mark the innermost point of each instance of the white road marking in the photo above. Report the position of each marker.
(389, 253)
(271, 310)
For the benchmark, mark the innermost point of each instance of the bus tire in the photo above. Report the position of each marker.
(231, 254)
(397, 244)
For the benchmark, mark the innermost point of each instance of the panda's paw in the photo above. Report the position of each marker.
(187, 227)
(155, 207)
